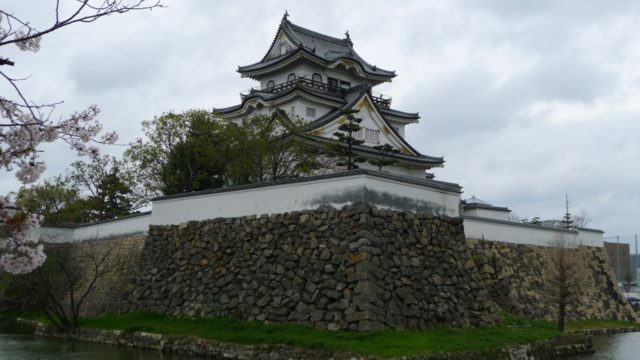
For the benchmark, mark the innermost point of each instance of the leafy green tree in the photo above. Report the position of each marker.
(99, 190)
(346, 141)
(266, 149)
(109, 188)
(200, 161)
(184, 152)
(196, 151)
(56, 200)
(385, 159)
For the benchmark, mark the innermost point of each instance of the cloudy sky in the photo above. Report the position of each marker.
(526, 100)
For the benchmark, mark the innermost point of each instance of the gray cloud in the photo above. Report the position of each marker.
(526, 101)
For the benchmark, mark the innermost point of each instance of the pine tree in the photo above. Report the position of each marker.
(345, 135)
(567, 220)
(385, 151)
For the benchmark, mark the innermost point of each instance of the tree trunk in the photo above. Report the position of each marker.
(561, 316)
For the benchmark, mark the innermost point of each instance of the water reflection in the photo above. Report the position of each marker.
(16, 343)
(615, 347)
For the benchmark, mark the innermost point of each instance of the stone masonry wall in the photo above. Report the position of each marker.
(358, 268)
(513, 275)
(123, 256)
(116, 272)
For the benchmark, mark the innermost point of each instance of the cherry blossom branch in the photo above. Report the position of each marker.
(25, 125)
(29, 36)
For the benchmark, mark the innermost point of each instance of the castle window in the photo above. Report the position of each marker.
(293, 111)
(316, 78)
(311, 112)
(333, 83)
(345, 85)
(372, 135)
(270, 84)
(291, 77)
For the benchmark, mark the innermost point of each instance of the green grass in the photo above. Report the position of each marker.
(599, 324)
(511, 330)
(379, 343)
(25, 314)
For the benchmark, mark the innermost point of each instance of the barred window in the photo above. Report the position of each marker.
(372, 135)
(367, 134)
(311, 112)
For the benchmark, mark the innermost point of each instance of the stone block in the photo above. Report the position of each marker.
(368, 325)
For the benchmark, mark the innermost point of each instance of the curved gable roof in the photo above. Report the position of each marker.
(353, 99)
(324, 47)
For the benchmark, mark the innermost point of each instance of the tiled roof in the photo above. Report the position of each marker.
(417, 160)
(320, 46)
(268, 96)
(400, 114)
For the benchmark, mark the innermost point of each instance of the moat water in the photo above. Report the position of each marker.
(624, 346)
(18, 343)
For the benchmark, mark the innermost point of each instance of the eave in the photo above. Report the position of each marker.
(283, 97)
(257, 70)
(414, 161)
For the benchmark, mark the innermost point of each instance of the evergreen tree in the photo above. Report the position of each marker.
(385, 151)
(109, 189)
(346, 140)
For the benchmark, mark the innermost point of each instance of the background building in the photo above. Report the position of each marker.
(619, 258)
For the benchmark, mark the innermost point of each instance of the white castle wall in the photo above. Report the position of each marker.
(526, 234)
(374, 188)
(488, 214)
(128, 226)
(381, 190)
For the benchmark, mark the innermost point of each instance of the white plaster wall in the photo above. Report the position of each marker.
(516, 233)
(128, 226)
(266, 111)
(295, 197)
(370, 119)
(489, 214)
(301, 105)
(56, 234)
(447, 200)
(396, 169)
(590, 238)
(399, 127)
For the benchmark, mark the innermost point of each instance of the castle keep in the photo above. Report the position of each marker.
(315, 78)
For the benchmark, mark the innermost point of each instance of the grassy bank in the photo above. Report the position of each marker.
(510, 331)
(599, 324)
(380, 343)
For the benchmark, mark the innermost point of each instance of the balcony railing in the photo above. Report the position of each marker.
(379, 99)
(382, 100)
